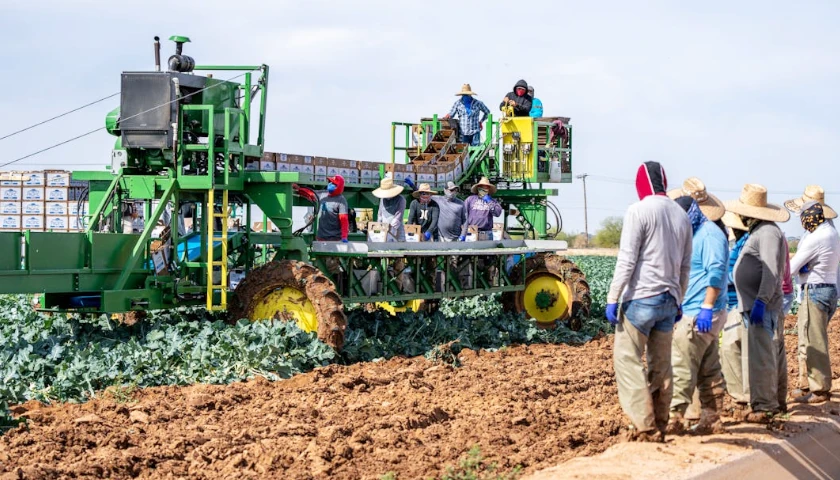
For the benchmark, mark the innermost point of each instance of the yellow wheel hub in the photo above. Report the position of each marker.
(287, 303)
(546, 298)
(409, 306)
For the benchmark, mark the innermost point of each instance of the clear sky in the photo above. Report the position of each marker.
(731, 92)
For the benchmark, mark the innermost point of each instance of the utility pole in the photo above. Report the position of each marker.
(585, 214)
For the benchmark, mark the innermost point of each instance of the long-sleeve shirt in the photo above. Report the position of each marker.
(469, 119)
(787, 280)
(758, 271)
(481, 213)
(452, 222)
(820, 250)
(391, 211)
(709, 264)
(734, 254)
(424, 214)
(654, 255)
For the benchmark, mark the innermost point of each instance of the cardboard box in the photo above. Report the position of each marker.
(412, 233)
(32, 208)
(377, 232)
(252, 164)
(73, 208)
(56, 208)
(426, 174)
(34, 179)
(76, 224)
(11, 179)
(56, 194)
(267, 163)
(10, 193)
(282, 162)
(301, 168)
(10, 208)
(32, 222)
(57, 178)
(401, 171)
(320, 172)
(57, 223)
(473, 235)
(33, 194)
(498, 231)
(10, 222)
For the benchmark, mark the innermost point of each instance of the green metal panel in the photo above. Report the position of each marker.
(141, 187)
(275, 200)
(10, 249)
(56, 251)
(536, 214)
(111, 250)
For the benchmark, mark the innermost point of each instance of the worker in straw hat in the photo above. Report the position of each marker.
(651, 276)
(694, 354)
(813, 193)
(481, 207)
(816, 261)
(471, 114)
(391, 208)
(424, 211)
(758, 281)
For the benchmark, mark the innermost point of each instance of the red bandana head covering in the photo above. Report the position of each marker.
(651, 180)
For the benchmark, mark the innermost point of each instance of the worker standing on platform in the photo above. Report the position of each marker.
(391, 208)
(481, 207)
(333, 214)
(519, 99)
(536, 104)
(452, 224)
(424, 212)
(471, 115)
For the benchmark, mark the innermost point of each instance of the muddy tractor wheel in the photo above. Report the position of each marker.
(292, 291)
(555, 291)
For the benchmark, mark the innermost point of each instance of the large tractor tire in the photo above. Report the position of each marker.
(292, 291)
(555, 291)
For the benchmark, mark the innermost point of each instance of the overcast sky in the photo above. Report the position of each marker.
(731, 92)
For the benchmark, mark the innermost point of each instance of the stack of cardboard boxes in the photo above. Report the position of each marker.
(38, 201)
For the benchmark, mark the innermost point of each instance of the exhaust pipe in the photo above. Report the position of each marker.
(157, 53)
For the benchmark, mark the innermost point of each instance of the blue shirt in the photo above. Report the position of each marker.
(470, 122)
(536, 108)
(732, 300)
(709, 268)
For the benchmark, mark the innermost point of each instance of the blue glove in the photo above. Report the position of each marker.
(612, 313)
(703, 322)
(462, 238)
(410, 183)
(427, 235)
(487, 198)
(343, 240)
(757, 312)
(679, 315)
(804, 269)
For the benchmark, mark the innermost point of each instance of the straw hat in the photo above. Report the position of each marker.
(813, 193)
(710, 205)
(733, 221)
(753, 204)
(424, 188)
(387, 189)
(465, 90)
(484, 182)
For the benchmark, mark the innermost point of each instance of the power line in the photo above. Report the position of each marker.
(59, 116)
(77, 137)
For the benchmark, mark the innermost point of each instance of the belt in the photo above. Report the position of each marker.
(820, 285)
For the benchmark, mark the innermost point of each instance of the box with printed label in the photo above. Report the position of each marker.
(32, 222)
(56, 194)
(56, 208)
(10, 208)
(11, 179)
(33, 194)
(73, 207)
(252, 164)
(426, 174)
(401, 171)
(301, 168)
(320, 173)
(10, 193)
(75, 223)
(369, 175)
(267, 163)
(34, 179)
(412, 233)
(57, 222)
(58, 178)
(377, 232)
(282, 162)
(32, 208)
(10, 222)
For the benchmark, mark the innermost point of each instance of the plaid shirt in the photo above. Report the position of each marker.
(470, 124)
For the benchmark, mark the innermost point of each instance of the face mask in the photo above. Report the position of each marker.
(449, 194)
(331, 188)
(520, 91)
(425, 198)
(482, 192)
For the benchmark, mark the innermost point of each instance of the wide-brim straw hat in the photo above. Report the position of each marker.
(387, 189)
(733, 221)
(423, 188)
(753, 204)
(484, 182)
(813, 193)
(465, 90)
(711, 206)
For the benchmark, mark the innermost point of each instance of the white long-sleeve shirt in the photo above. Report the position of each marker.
(654, 254)
(820, 250)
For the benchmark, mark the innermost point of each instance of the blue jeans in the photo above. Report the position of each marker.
(787, 303)
(656, 312)
(473, 139)
(824, 297)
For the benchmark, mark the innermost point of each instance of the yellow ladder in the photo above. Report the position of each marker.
(223, 261)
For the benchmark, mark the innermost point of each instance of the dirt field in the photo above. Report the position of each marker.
(534, 406)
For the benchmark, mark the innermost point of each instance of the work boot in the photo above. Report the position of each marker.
(813, 397)
(800, 392)
(709, 422)
(758, 417)
(677, 423)
(650, 436)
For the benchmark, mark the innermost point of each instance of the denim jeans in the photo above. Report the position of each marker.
(824, 297)
(787, 303)
(473, 139)
(656, 312)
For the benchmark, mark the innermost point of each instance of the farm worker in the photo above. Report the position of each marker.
(816, 261)
(758, 281)
(733, 351)
(481, 207)
(519, 99)
(694, 354)
(333, 218)
(536, 104)
(471, 115)
(424, 212)
(452, 224)
(391, 208)
(650, 279)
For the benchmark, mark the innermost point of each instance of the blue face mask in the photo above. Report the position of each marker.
(331, 188)
(467, 100)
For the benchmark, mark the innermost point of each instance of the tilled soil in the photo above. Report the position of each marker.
(534, 406)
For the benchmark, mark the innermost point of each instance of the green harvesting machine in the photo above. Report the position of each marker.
(190, 147)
